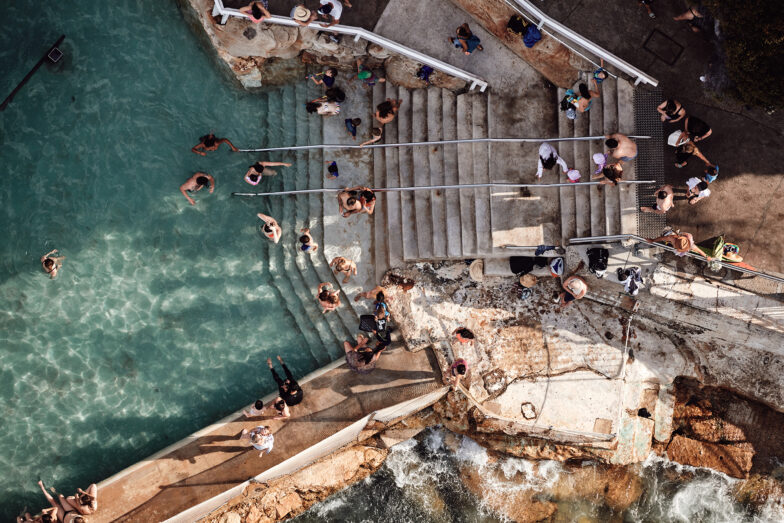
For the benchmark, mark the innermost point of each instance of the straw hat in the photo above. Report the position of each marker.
(527, 280)
(301, 13)
(680, 243)
(576, 286)
(477, 270)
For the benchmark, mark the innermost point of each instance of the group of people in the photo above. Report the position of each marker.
(684, 140)
(71, 509)
(609, 165)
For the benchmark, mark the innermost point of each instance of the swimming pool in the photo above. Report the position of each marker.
(163, 315)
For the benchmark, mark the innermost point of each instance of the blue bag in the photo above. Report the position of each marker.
(532, 35)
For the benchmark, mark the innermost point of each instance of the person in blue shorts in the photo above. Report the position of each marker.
(332, 170)
(351, 126)
(466, 40)
(306, 241)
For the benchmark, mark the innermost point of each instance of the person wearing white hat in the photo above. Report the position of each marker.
(600, 159)
(573, 175)
(302, 15)
(548, 157)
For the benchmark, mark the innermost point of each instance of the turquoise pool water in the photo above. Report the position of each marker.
(163, 315)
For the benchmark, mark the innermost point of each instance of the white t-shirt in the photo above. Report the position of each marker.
(545, 151)
(337, 8)
(693, 182)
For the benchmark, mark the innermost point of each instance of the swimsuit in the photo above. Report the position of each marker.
(305, 247)
(268, 231)
(628, 158)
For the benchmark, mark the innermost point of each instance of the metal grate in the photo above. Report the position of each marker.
(648, 123)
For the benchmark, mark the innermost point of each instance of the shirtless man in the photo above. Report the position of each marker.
(271, 230)
(195, 183)
(340, 264)
(349, 202)
(621, 147)
(664, 201)
(209, 142)
(386, 111)
(51, 264)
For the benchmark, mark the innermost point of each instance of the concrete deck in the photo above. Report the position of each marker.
(213, 460)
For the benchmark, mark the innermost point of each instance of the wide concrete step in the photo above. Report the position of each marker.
(612, 206)
(566, 195)
(407, 225)
(465, 174)
(393, 179)
(420, 171)
(582, 195)
(484, 229)
(454, 240)
(628, 192)
(435, 158)
(596, 128)
(380, 235)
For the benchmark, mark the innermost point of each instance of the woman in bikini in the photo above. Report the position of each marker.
(610, 175)
(671, 111)
(271, 230)
(327, 298)
(51, 264)
(583, 102)
(339, 264)
(209, 142)
(259, 169)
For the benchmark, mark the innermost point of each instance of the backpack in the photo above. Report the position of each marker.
(597, 261)
(424, 73)
(532, 35)
(517, 25)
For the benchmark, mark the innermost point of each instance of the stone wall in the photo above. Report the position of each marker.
(267, 54)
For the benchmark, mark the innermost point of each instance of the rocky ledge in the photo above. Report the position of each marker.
(268, 54)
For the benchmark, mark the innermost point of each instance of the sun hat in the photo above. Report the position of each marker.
(576, 286)
(477, 270)
(301, 13)
(527, 280)
(600, 159)
(681, 243)
(573, 175)
(674, 137)
(557, 267)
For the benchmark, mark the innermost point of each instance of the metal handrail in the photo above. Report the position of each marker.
(583, 42)
(432, 187)
(357, 33)
(434, 142)
(621, 237)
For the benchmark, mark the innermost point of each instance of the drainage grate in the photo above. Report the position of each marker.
(648, 123)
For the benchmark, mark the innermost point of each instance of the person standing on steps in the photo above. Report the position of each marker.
(611, 174)
(466, 40)
(271, 230)
(259, 169)
(339, 264)
(196, 183)
(209, 142)
(548, 157)
(387, 110)
(349, 202)
(621, 147)
(376, 135)
(288, 389)
(327, 298)
(664, 200)
(306, 241)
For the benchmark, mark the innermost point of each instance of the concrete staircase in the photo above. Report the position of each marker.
(597, 210)
(295, 275)
(438, 224)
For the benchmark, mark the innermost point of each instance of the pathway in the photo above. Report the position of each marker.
(211, 461)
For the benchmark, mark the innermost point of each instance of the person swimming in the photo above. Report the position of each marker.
(209, 142)
(196, 183)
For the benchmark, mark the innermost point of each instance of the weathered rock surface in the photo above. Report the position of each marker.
(251, 49)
